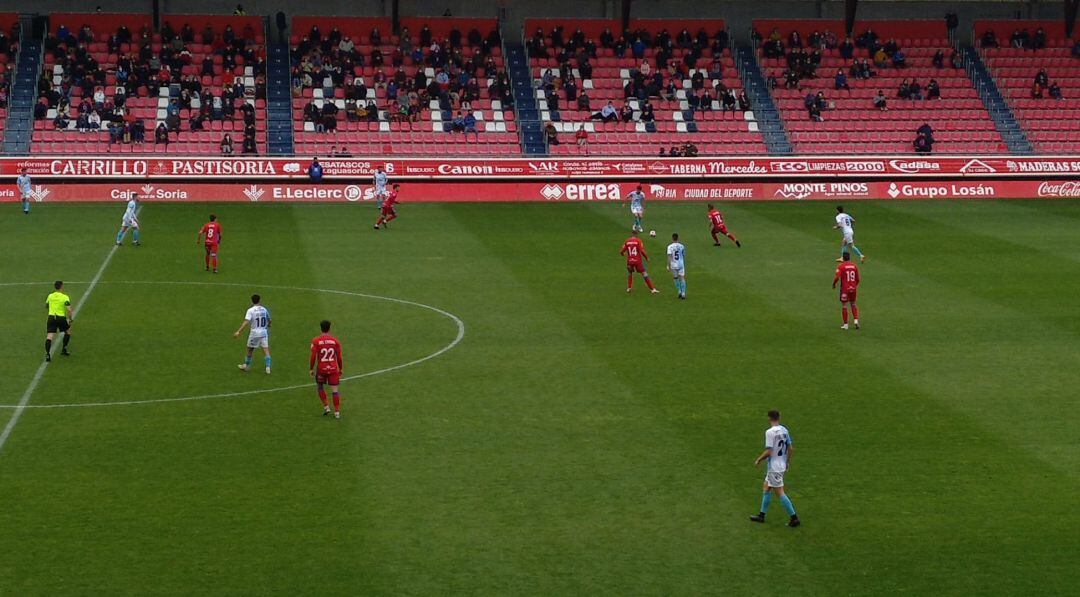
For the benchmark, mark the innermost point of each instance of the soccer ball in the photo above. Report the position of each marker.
(652, 233)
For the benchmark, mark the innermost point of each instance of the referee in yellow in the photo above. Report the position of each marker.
(60, 319)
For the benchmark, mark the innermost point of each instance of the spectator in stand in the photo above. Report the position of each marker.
(933, 90)
(840, 80)
(922, 144)
(915, 90)
(551, 134)
(955, 60)
(647, 113)
(469, 125)
(1019, 39)
(881, 59)
(249, 146)
(927, 130)
(1038, 41)
(728, 102)
(847, 49)
(1042, 79)
(608, 113)
(899, 60)
(1036, 90)
(138, 131)
(161, 134)
(744, 101)
(626, 113)
(581, 137)
(814, 112)
(226, 145)
(1055, 91)
(315, 170)
(583, 102)
(880, 102)
(904, 92)
(939, 59)
(94, 121)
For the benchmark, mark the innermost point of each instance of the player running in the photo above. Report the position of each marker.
(676, 264)
(778, 453)
(634, 250)
(846, 224)
(23, 182)
(637, 208)
(326, 367)
(387, 211)
(847, 274)
(718, 227)
(380, 185)
(60, 319)
(130, 221)
(210, 236)
(258, 319)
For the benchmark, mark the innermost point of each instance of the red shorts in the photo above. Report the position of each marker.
(848, 296)
(388, 210)
(721, 229)
(638, 267)
(211, 247)
(330, 379)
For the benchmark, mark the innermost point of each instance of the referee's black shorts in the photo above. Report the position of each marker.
(57, 324)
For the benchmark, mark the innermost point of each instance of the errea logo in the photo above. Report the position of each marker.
(552, 192)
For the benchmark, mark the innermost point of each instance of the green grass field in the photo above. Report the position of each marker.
(578, 440)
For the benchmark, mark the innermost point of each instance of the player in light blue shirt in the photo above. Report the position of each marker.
(637, 208)
(778, 448)
(676, 264)
(130, 221)
(23, 182)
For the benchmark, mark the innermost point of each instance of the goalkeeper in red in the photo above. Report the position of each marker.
(326, 367)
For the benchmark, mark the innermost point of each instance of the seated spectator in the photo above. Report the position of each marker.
(916, 90)
(61, 121)
(581, 137)
(583, 102)
(626, 113)
(922, 144)
(880, 102)
(939, 59)
(94, 121)
(249, 146)
(138, 131)
(226, 145)
(744, 101)
(847, 49)
(728, 101)
(1038, 41)
(1036, 91)
(904, 92)
(1042, 78)
(840, 80)
(161, 134)
(608, 113)
(933, 90)
(814, 112)
(689, 150)
(1019, 40)
(1055, 91)
(469, 125)
(899, 60)
(457, 124)
(881, 59)
(955, 60)
(116, 133)
(551, 134)
(927, 130)
(647, 113)
(989, 39)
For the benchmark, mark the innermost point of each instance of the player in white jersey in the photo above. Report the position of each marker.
(130, 221)
(637, 208)
(777, 453)
(23, 182)
(676, 264)
(846, 224)
(380, 185)
(257, 319)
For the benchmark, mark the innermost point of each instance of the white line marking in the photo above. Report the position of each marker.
(23, 404)
(457, 340)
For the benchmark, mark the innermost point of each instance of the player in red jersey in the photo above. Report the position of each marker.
(636, 257)
(847, 274)
(210, 236)
(326, 367)
(718, 227)
(386, 210)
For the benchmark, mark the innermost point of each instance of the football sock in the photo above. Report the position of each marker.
(630, 281)
(337, 401)
(648, 282)
(766, 498)
(786, 501)
(120, 236)
(266, 360)
(48, 345)
(207, 260)
(214, 261)
(637, 222)
(67, 338)
(247, 361)
(322, 396)
(136, 235)
(26, 206)
(857, 251)
(733, 239)
(844, 310)
(855, 311)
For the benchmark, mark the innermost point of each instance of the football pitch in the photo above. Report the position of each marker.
(521, 424)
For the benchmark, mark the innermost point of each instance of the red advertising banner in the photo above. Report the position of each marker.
(344, 169)
(575, 191)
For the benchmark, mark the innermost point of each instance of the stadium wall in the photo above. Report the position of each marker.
(179, 179)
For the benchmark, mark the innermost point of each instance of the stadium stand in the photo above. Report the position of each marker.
(660, 84)
(1037, 69)
(440, 86)
(9, 48)
(828, 102)
(112, 84)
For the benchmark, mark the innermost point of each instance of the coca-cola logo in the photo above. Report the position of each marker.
(1070, 189)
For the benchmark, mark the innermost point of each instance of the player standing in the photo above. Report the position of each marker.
(846, 224)
(326, 367)
(380, 185)
(387, 213)
(23, 182)
(130, 221)
(637, 208)
(847, 274)
(777, 452)
(634, 250)
(60, 319)
(676, 259)
(258, 318)
(718, 227)
(210, 236)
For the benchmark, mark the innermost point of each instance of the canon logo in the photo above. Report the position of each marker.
(465, 169)
(1069, 189)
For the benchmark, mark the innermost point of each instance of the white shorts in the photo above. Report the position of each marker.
(130, 222)
(637, 211)
(258, 341)
(849, 238)
(678, 271)
(774, 479)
